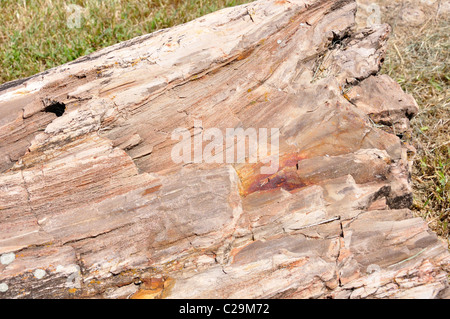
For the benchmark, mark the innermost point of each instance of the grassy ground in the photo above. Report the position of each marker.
(418, 59)
(36, 35)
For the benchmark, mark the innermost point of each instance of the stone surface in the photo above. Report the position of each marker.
(92, 204)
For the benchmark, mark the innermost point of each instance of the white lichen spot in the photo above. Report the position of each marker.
(278, 41)
(7, 258)
(39, 273)
(3, 287)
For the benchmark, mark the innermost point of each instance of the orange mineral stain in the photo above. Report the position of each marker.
(154, 288)
(151, 190)
(286, 177)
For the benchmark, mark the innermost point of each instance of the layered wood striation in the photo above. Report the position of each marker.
(92, 204)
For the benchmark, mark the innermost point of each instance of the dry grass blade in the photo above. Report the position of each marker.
(420, 63)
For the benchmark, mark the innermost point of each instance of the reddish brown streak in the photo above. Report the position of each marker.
(286, 177)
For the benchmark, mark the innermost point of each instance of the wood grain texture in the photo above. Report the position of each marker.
(92, 205)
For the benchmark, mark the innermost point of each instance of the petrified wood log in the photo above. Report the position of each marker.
(92, 203)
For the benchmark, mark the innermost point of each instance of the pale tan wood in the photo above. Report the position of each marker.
(92, 205)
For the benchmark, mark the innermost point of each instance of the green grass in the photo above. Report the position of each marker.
(35, 35)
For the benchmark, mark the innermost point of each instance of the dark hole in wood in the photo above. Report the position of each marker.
(57, 108)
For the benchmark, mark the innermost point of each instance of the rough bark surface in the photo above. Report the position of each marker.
(92, 205)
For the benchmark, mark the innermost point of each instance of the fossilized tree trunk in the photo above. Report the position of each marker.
(92, 204)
